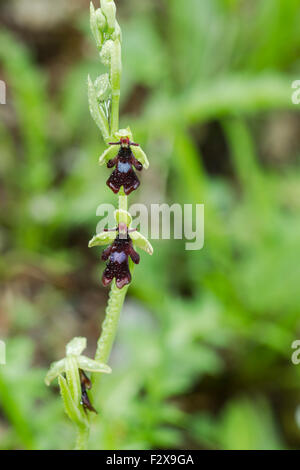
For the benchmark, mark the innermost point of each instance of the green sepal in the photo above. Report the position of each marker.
(76, 346)
(70, 407)
(122, 216)
(107, 155)
(56, 368)
(140, 156)
(85, 363)
(123, 133)
(103, 238)
(141, 242)
(73, 379)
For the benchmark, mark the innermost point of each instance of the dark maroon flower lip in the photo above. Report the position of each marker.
(117, 255)
(124, 174)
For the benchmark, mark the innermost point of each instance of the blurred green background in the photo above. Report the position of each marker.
(203, 355)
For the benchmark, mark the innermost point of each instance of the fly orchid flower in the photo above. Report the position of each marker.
(126, 158)
(122, 246)
(74, 386)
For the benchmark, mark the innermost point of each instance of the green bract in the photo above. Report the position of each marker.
(96, 111)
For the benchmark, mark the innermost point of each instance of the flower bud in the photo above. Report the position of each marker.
(101, 21)
(105, 54)
(108, 7)
(95, 25)
(102, 87)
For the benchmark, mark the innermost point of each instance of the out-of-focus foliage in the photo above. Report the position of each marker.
(202, 358)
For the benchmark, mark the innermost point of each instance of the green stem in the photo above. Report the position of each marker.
(122, 200)
(110, 324)
(115, 77)
(113, 310)
(82, 438)
(114, 119)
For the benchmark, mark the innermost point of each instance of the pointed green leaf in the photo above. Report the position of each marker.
(107, 155)
(122, 216)
(103, 238)
(70, 408)
(56, 368)
(97, 111)
(90, 365)
(76, 346)
(140, 241)
(140, 156)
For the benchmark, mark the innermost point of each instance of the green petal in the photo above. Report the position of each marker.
(140, 156)
(103, 238)
(90, 365)
(70, 408)
(109, 153)
(56, 369)
(122, 216)
(76, 346)
(141, 242)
